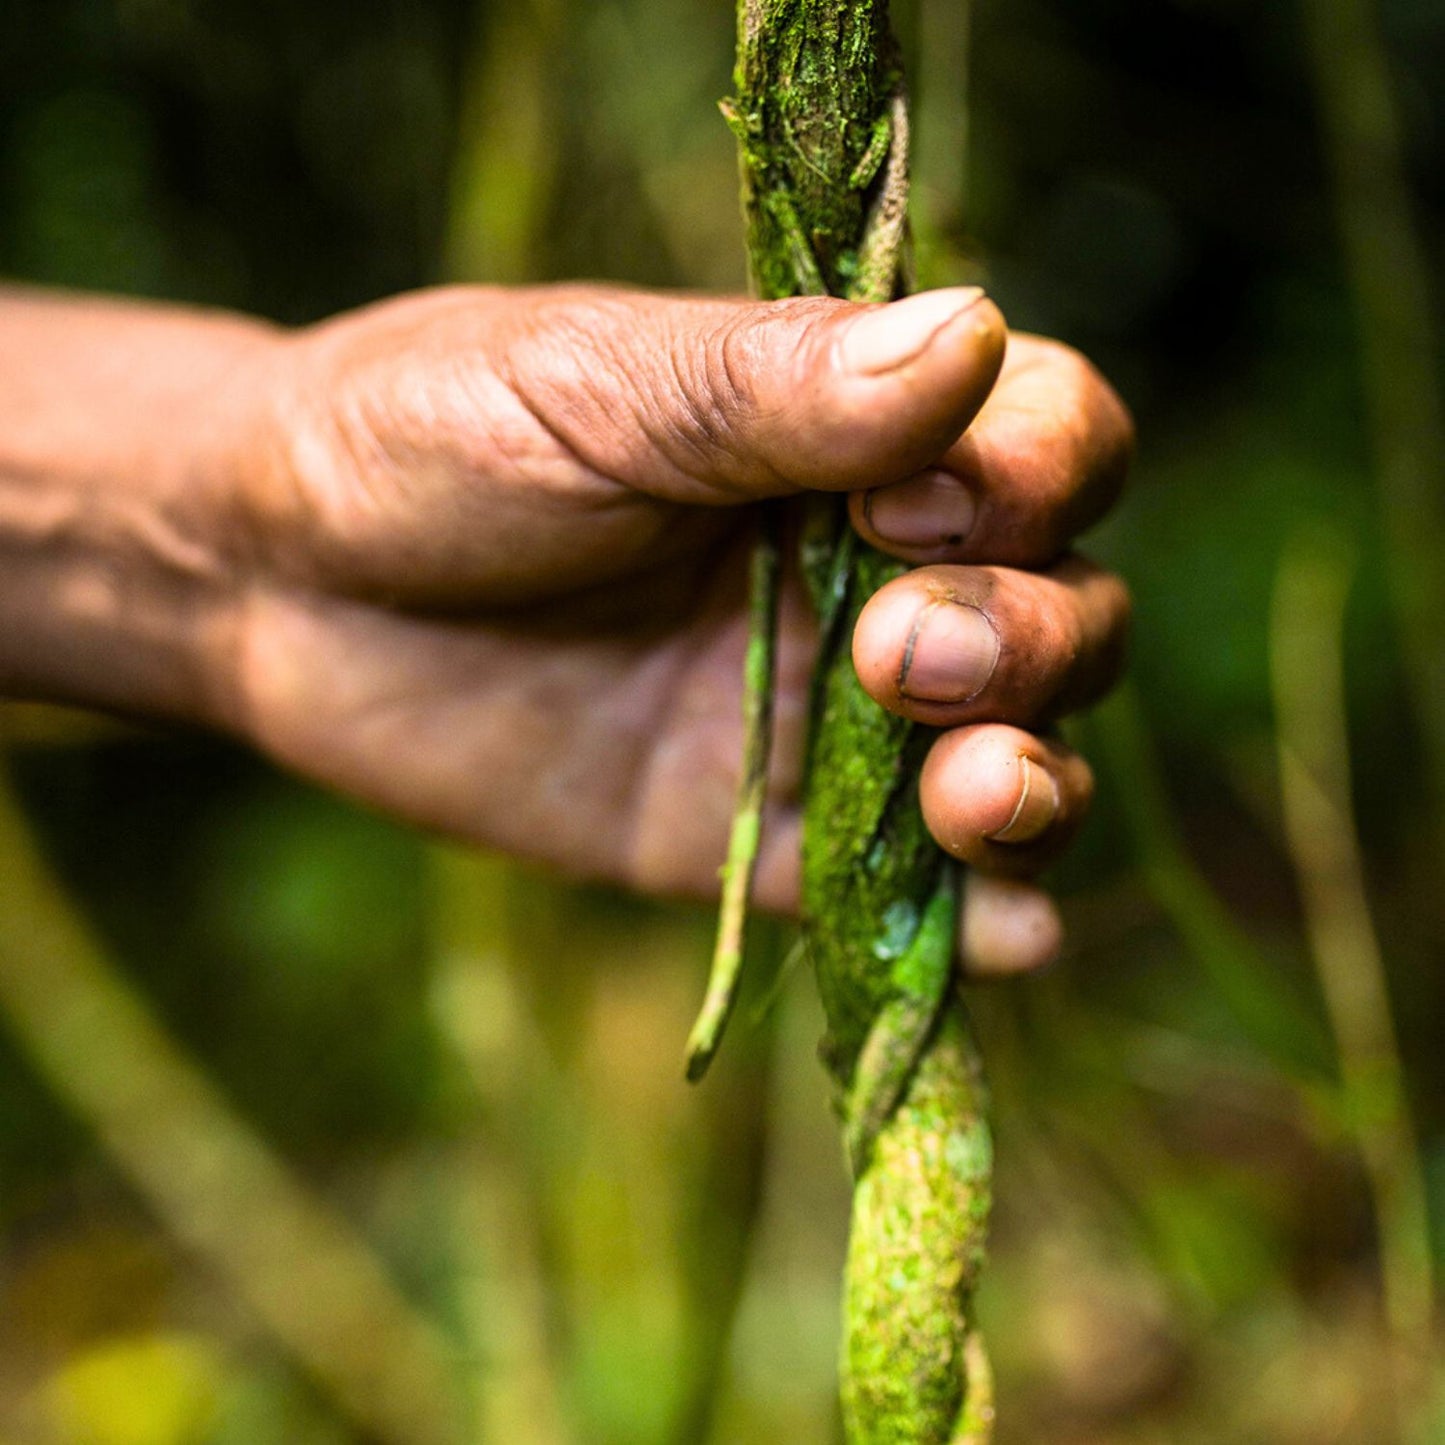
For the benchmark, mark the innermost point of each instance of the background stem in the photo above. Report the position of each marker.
(297, 1263)
(1307, 665)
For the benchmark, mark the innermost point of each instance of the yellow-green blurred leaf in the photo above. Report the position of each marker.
(142, 1390)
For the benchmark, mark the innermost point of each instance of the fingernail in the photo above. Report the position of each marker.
(933, 509)
(884, 338)
(950, 655)
(1037, 807)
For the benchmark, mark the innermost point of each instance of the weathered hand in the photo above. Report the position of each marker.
(491, 546)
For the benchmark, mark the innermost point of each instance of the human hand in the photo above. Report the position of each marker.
(490, 546)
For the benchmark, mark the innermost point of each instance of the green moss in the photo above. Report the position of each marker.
(915, 1253)
(813, 81)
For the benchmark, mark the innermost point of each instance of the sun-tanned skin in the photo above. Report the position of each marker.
(476, 557)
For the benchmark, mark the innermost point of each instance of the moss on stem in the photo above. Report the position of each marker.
(822, 125)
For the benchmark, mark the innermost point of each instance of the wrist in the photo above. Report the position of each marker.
(116, 462)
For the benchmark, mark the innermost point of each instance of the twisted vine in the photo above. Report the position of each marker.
(822, 123)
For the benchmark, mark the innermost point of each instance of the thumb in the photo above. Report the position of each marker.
(712, 402)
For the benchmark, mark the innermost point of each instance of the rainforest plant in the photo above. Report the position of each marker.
(821, 118)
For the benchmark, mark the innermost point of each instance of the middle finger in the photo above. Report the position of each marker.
(950, 645)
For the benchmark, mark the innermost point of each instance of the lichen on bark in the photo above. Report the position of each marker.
(821, 119)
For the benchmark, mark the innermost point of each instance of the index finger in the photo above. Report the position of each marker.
(1044, 459)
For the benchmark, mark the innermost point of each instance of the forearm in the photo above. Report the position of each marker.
(117, 422)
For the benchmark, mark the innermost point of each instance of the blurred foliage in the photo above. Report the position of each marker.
(478, 1069)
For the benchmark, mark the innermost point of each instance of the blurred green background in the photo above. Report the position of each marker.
(325, 1133)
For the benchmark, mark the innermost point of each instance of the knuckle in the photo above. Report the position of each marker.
(1091, 633)
(1071, 375)
(732, 360)
(1120, 603)
(717, 363)
(704, 388)
(1092, 442)
(1114, 629)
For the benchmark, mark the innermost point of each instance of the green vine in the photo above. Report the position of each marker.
(822, 124)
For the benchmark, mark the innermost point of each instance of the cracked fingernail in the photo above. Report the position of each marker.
(933, 509)
(884, 338)
(950, 654)
(1037, 807)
